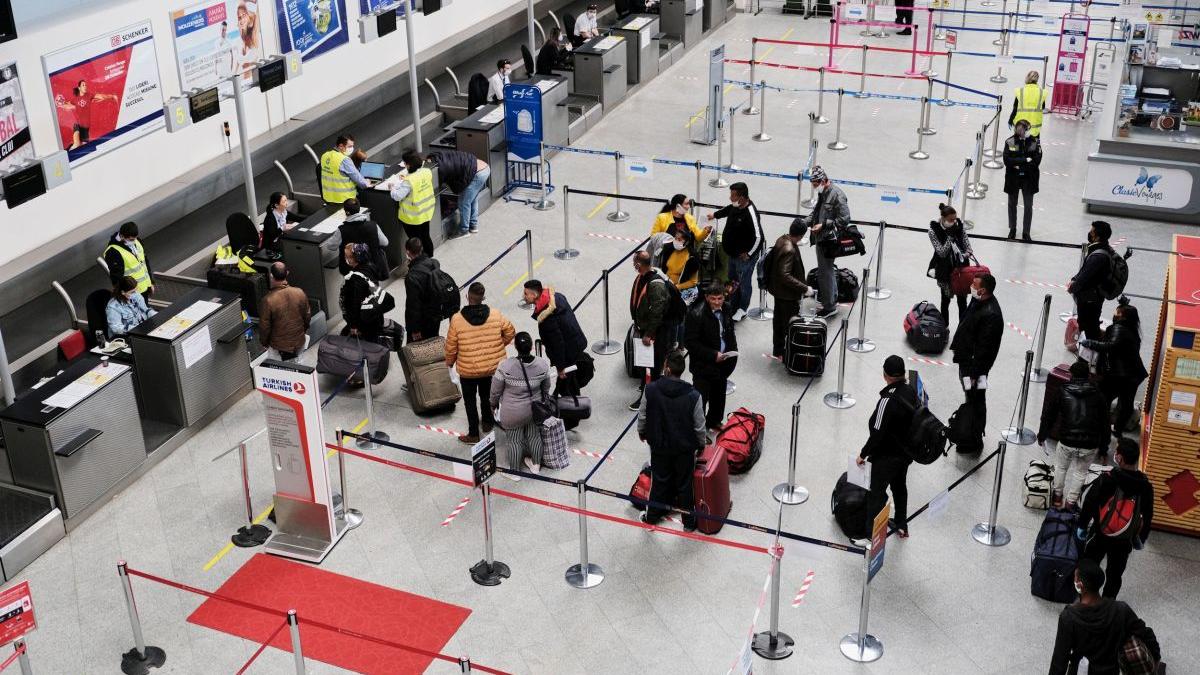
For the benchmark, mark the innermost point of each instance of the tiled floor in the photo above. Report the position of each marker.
(942, 604)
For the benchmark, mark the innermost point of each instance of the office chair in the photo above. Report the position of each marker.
(569, 24)
(527, 58)
(97, 320)
(623, 8)
(477, 90)
(242, 232)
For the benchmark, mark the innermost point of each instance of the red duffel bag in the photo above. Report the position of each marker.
(742, 438)
(962, 277)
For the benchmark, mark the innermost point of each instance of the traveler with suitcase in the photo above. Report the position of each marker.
(1116, 514)
(562, 338)
(430, 295)
(364, 302)
(671, 422)
(830, 215)
(650, 303)
(1078, 418)
(783, 270)
(1097, 629)
(712, 346)
(975, 345)
(1120, 362)
(951, 250)
(283, 322)
(1101, 277)
(885, 447)
(519, 381)
(743, 240)
(476, 344)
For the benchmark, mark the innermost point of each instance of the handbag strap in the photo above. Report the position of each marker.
(528, 386)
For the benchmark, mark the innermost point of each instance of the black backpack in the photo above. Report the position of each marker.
(1118, 275)
(676, 307)
(445, 296)
(926, 437)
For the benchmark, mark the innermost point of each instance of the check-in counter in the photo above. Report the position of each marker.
(482, 135)
(76, 436)
(714, 13)
(190, 357)
(683, 19)
(312, 260)
(641, 49)
(600, 67)
(554, 108)
(386, 212)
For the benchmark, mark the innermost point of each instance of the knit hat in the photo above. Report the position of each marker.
(818, 174)
(893, 366)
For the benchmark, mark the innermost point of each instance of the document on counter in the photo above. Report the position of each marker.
(196, 347)
(494, 117)
(607, 43)
(638, 23)
(83, 387)
(546, 85)
(333, 222)
(185, 319)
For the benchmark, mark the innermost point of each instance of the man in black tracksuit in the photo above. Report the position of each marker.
(671, 421)
(885, 446)
(1133, 485)
(1087, 286)
(742, 240)
(976, 344)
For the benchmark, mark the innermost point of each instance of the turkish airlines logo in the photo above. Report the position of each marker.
(299, 388)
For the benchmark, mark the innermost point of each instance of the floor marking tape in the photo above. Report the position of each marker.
(357, 428)
(457, 510)
(1019, 330)
(803, 589)
(1039, 284)
(587, 453)
(229, 547)
(614, 237)
(524, 275)
(599, 206)
(439, 430)
(932, 362)
(773, 358)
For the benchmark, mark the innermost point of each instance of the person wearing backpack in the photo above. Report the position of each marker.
(712, 346)
(671, 421)
(1117, 511)
(649, 305)
(1096, 280)
(424, 306)
(1120, 364)
(951, 249)
(783, 270)
(885, 447)
(1095, 628)
(1078, 418)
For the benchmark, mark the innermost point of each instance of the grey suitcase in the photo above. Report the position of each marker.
(428, 377)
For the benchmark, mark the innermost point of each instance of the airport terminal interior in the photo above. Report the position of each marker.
(180, 494)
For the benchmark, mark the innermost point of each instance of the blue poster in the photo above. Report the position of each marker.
(523, 121)
(311, 27)
(372, 6)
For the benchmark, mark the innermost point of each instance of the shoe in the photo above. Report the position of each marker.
(1012, 235)
(533, 468)
(906, 31)
(901, 532)
(464, 233)
(647, 521)
(474, 229)
(636, 404)
(828, 312)
(487, 427)
(468, 439)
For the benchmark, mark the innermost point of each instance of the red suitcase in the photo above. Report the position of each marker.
(1059, 375)
(710, 486)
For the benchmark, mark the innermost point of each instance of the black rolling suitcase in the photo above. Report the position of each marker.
(804, 350)
(635, 373)
(849, 505)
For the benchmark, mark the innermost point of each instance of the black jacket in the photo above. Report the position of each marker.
(743, 231)
(362, 231)
(550, 58)
(419, 306)
(271, 232)
(455, 168)
(888, 426)
(1120, 353)
(977, 338)
(1133, 483)
(1096, 633)
(1077, 417)
(670, 407)
(1085, 285)
(1022, 159)
(943, 262)
(562, 338)
(355, 289)
(116, 264)
(702, 335)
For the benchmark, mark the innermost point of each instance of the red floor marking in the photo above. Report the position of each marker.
(1019, 330)
(773, 358)
(457, 510)
(586, 453)
(932, 362)
(803, 589)
(439, 430)
(1039, 284)
(338, 600)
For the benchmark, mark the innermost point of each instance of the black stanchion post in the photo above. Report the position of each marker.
(1046, 64)
(925, 129)
(762, 136)
(585, 574)
(862, 646)
(820, 116)
(607, 345)
(962, 207)
(836, 143)
(1039, 374)
(699, 186)
(989, 533)
(617, 216)
(294, 631)
(140, 659)
(566, 252)
(920, 153)
(790, 493)
(862, 75)
(773, 644)
(489, 571)
(839, 399)
(860, 344)
(878, 292)
(946, 102)
(353, 517)
(1019, 435)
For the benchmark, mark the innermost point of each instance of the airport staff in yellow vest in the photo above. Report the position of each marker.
(340, 179)
(125, 257)
(1028, 103)
(417, 199)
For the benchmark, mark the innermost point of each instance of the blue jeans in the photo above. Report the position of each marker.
(468, 201)
(742, 271)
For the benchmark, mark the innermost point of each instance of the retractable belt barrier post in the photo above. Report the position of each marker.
(1019, 435)
(489, 571)
(732, 166)
(945, 101)
(763, 311)
(860, 344)
(250, 534)
(962, 209)
(924, 129)
(990, 533)
(354, 517)
(607, 345)
(617, 216)
(21, 653)
(566, 252)
(365, 442)
(820, 117)
(862, 646)
(140, 659)
(762, 136)
(750, 109)
(836, 143)
(719, 181)
(862, 78)
(699, 183)
(978, 183)
(790, 493)
(543, 203)
(974, 188)
(1003, 14)
(840, 400)
(585, 574)
(773, 644)
(1039, 374)
(1026, 17)
(920, 153)
(294, 631)
(993, 153)
(878, 292)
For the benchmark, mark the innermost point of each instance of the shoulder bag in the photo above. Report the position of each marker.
(543, 408)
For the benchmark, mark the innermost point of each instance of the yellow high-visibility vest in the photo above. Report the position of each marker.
(417, 207)
(135, 264)
(1030, 100)
(336, 187)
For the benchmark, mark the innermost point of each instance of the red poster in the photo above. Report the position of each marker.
(88, 97)
(16, 613)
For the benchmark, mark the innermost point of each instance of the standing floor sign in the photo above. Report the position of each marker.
(1068, 72)
(523, 122)
(483, 460)
(307, 524)
(879, 533)
(16, 613)
(105, 91)
(716, 95)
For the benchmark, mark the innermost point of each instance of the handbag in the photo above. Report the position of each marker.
(543, 408)
(554, 444)
(961, 278)
(573, 407)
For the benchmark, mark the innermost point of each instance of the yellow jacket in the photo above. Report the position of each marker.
(477, 340)
(664, 220)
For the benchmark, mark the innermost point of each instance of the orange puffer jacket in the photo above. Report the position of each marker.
(477, 340)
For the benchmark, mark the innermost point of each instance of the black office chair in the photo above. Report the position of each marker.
(477, 91)
(241, 231)
(527, 58)
(623, 7)
(97, 319)
(569, 25)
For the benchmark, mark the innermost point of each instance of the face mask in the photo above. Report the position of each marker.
(975, 293)
(678, 245)
(681, 209)
(349, 149)
(949, 223)
(507, 71)
(1079, 588)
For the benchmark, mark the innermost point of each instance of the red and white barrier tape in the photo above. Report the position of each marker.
(587, 453)
(1039, 284)
(457, 510)
(1020, 330)
(803, 589)
(773, 358)
(932, 362)
(762, 599)
(439, 430)
(614, 237)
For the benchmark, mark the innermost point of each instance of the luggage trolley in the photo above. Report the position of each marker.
(1103, 59)
(526, 175)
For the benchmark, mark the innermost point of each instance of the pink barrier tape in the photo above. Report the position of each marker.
(12, 658)
(261, 648)
(799, 599)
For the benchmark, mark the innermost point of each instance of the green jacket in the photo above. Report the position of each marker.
(649, 301)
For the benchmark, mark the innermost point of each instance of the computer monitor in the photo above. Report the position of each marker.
(373, 170)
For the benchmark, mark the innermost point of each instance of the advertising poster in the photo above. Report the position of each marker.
(215, 39)
(16, 145)
(523, 121)
(105, 91)
(311, 27)
(370, 6)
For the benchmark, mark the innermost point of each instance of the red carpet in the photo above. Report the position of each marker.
(317, 595)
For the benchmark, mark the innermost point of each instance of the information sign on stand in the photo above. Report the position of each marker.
(483, 459)
(716, 96)
(16, 613)
(879, 533)
(1068, 71)
(523, 122)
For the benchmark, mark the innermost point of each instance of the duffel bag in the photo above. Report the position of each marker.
(925, 329)
(1039, 480)
(847, 285)
(961, 278)
(341, 355)
(641, 488)
(742, 437)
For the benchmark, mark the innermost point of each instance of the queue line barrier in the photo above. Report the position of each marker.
(863, 94)
(144, 656)
(21, 654)
(1023, 32)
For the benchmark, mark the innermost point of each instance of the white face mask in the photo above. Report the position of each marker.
(1079, 588)
(680, 210)
(678, 245)
(821, 187)
(976, 293)
(507, 71)
(349, 149)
